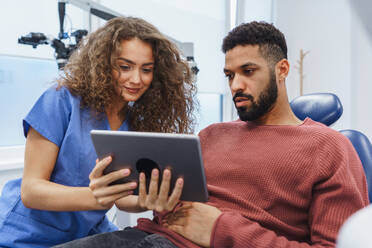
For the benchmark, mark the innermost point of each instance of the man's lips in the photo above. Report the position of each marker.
(241, 101)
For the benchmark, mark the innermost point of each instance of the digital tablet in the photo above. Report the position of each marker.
(143, 151)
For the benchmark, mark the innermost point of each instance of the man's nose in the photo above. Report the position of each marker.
(237, 84)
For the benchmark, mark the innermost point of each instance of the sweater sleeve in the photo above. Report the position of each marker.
(339, 190)
(233, 230)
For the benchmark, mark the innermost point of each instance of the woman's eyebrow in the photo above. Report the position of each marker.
(134, 63)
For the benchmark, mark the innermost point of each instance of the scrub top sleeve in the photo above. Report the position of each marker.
(50, 115)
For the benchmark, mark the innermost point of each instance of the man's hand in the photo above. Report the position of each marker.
(159, 200)
(194, 221)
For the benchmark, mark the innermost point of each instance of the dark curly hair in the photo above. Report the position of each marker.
(167, 106)
(271, 41)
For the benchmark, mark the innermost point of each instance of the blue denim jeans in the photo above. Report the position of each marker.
(127, 238)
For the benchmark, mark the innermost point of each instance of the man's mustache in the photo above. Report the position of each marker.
(239, 94)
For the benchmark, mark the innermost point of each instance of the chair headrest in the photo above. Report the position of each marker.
(322, 107)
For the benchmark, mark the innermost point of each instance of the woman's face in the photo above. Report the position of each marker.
(136, 64)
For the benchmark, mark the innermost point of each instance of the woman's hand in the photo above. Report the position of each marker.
(107, 194)
(159, 200)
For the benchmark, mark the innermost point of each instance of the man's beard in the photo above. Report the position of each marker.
(264, 104)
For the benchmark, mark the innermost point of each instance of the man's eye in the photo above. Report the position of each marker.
(248, 71)
(229, 76)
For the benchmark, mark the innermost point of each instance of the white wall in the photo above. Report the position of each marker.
(254, 10)
(338, 35)
(361, 65)
(323, 29)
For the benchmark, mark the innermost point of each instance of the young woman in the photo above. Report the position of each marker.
(124, 76)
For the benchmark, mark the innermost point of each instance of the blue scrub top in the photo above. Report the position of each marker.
(58, 116)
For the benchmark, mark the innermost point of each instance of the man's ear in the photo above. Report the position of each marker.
(282, 70)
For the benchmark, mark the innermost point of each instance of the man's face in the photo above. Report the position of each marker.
(252, 82)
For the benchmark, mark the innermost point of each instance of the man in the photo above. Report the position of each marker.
(273, 180)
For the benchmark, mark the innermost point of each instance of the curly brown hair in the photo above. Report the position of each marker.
(169, 103)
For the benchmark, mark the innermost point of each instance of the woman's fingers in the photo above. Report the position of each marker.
(100, 166)
(105, 180)
(110, 200)
(115, 189)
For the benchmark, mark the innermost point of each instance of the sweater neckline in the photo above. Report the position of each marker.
(306, 121)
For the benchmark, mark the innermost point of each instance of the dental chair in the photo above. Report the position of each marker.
(327, 109)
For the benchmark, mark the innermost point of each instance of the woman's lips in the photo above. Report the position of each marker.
(132, 90)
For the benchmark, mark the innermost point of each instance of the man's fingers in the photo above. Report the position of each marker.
(153, 188)
(159, 201)
(100, 166)
(164, 190)
(176, 194)
(142, 191)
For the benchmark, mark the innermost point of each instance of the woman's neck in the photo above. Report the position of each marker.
(115, 115)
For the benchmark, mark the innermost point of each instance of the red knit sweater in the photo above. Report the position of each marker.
(277, 186)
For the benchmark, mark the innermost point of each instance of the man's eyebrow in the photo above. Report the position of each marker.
(248, 65)
(133, 63)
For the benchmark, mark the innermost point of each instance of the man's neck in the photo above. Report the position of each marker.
(280, 114)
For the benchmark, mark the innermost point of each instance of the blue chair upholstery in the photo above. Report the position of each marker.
(322, 107)
(327, 109)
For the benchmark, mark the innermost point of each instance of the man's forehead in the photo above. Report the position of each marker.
(241, 55)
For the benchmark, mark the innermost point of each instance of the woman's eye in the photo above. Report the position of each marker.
(124, 67)
(147, 70)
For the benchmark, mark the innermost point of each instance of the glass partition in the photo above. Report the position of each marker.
(22, 80)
